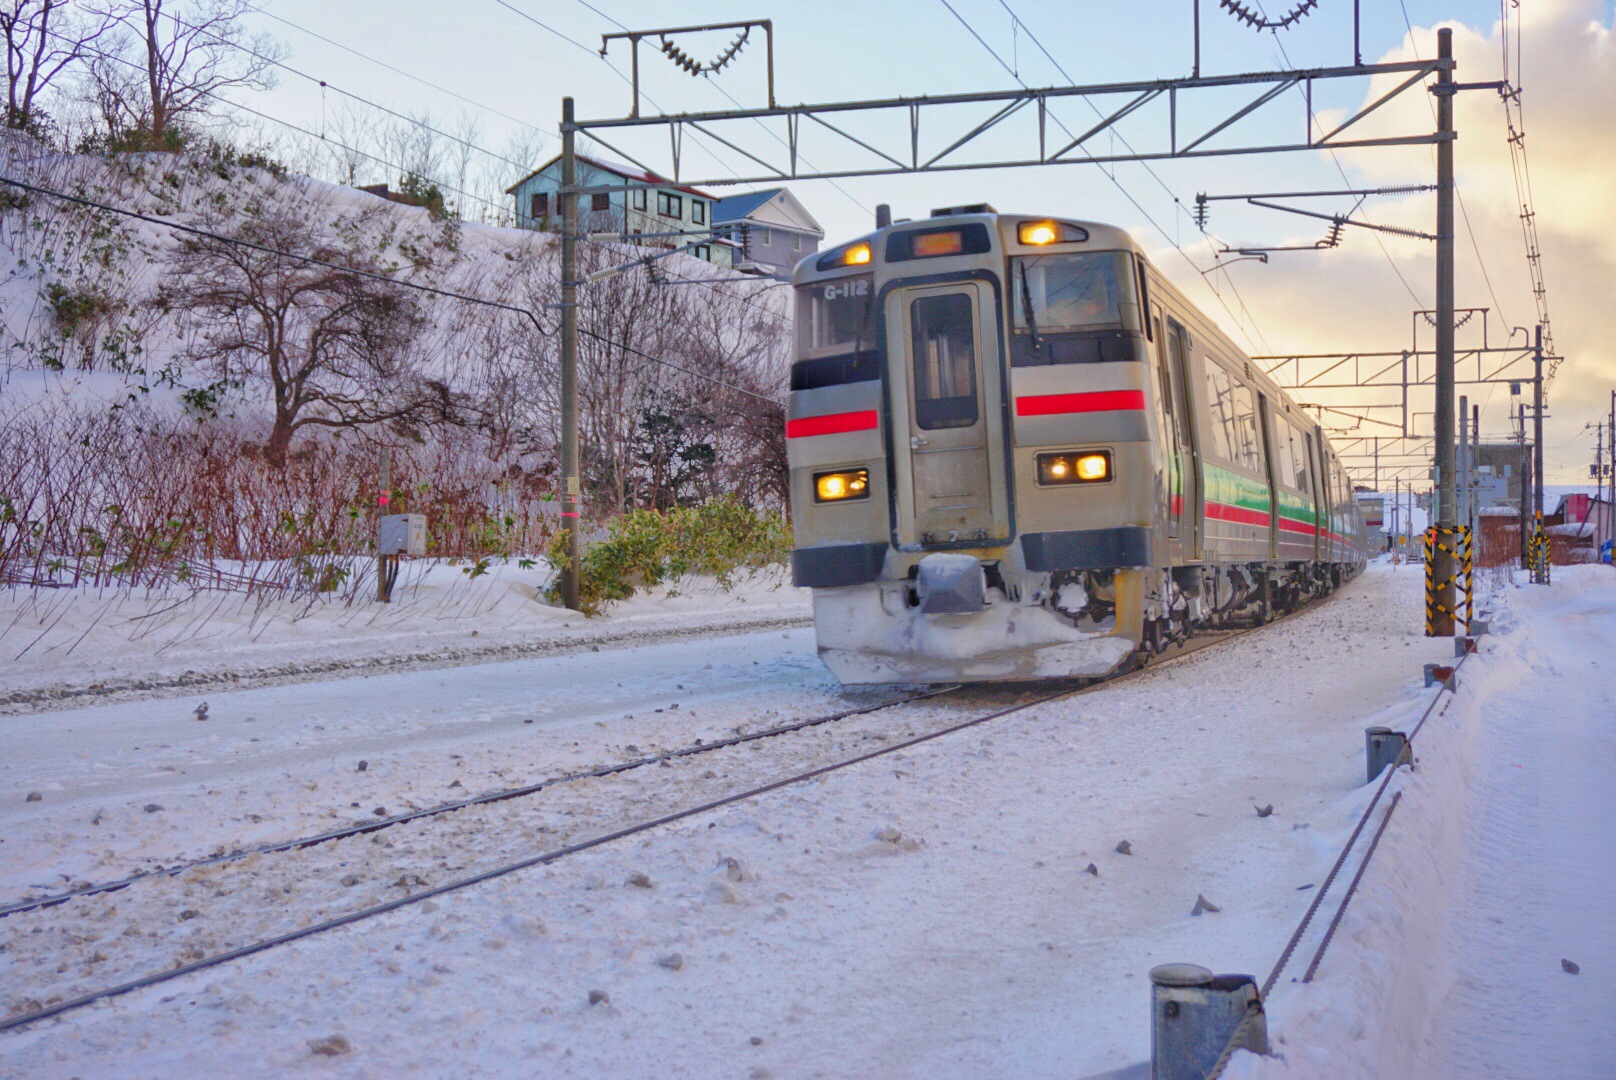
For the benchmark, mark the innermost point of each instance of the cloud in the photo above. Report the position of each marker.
(1350, 298)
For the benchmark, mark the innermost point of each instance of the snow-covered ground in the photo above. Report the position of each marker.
(1499, 867)
(66, 646)
(926, 913)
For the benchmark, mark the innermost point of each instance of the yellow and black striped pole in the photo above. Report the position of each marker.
(1439, 618)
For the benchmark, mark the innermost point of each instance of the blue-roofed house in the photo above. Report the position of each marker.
(643, 205)
(781, 230)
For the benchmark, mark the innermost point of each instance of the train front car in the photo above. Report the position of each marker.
(973, 475)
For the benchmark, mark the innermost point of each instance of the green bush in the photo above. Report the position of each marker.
(645, 548)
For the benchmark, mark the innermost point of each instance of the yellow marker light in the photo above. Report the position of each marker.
(1074, 467)
(1038, 232)
(857, 255)
(1092, 467)
(839, 486)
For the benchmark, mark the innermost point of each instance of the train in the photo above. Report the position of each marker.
(1018, 452)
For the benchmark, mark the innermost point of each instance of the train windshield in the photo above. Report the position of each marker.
(836, 318)
(1069, 291)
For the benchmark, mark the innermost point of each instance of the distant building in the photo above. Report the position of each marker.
(661, 207)
(781, 229)
(1501, 473)
(1372, 504)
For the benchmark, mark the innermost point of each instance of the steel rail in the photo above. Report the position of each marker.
(1385, 782)
(156, 978)
(1352, 887)
(19, 906)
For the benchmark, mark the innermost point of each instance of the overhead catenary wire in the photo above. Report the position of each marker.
(1119, 185)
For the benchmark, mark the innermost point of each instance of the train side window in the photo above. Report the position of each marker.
(1299, 470)
(1284, 453)
(1220, 409)
(943, 339)
(1248, 449)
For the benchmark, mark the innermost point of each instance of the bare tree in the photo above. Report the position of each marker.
(332, 348)
(42, 38)
(158, 76)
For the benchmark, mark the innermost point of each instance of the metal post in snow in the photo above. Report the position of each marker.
(384, 500)
(571, 489)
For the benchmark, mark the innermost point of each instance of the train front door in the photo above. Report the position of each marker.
(947, 422)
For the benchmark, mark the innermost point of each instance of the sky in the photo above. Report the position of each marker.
(1361, 295)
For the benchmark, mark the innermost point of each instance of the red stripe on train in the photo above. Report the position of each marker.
(1237, 514)
(1093, 401)
(832, 423)
(1288, 525)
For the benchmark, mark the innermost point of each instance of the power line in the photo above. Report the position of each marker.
(368, 274)
(1119, 185)
(290, 125)
(400, 71)
(1312, 120)
(1464, 211)
(324, 85)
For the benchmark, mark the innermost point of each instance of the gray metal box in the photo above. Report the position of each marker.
(401, 534)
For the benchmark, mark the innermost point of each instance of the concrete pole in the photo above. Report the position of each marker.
(570, 492)
(1442, 563)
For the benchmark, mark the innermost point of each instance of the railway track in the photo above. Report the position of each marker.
(43, 1011)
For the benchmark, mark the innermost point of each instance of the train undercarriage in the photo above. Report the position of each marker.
(955, 619)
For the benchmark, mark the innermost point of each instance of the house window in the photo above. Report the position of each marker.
(639, 198)
(669, 205)
(796, 241)
(600, 202)
(765, 236)
(698, 211)
(704, 252)
(539, 207)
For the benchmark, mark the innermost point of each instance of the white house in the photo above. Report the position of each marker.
(781, 230)
(661, 207)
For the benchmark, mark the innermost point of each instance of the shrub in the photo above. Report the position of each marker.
(645, 548)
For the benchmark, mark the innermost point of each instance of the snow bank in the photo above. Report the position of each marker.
(1500, 863)
(59, 646)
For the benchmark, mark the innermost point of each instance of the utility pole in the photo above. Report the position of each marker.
(1524, 467)
(1599, 462)
(1540, 576)
(1475, 471)
(1462, 463)
(1439, 598)
(570, 493)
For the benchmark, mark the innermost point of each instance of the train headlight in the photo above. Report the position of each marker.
(1042, 233)
(1074, 467)
(841, 486)
(855, 254)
